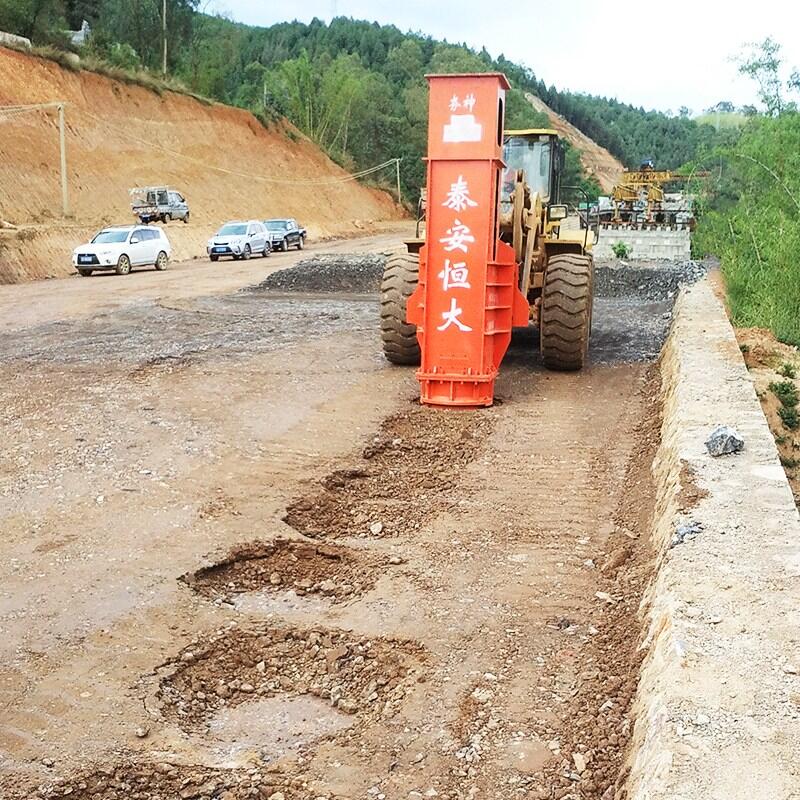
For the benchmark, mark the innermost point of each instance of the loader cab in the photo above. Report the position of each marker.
(538, 152)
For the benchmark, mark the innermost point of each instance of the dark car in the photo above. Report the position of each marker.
(285, 233)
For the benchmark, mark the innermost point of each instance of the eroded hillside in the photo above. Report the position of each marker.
(596, 160)
(118, 135)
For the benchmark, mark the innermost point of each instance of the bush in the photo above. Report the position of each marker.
(122, 55)
(786, 392)
(788, 370)
(621, 250)
(789, 417)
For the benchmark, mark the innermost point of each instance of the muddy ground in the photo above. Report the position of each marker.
(241, 561)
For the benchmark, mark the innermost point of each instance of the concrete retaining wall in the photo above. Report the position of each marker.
(646, 244)
(718, 706)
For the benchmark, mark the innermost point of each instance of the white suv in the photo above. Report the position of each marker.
(239, 240)
(121, 248)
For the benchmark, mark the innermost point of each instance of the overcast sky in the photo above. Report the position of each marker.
(657, 55)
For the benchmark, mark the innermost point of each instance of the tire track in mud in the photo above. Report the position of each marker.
(543, 679)
(404, 476)
(558, 568)
(598, 721)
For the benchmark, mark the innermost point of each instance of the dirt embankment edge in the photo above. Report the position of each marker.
(718, 705)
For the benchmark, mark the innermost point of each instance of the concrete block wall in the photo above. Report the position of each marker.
(717, 713)
(646, 244)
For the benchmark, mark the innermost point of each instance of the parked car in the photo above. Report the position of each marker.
(239, 240)
(285, 233)
(153, 203)
(121, 248)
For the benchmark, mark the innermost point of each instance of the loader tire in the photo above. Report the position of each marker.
(400, 276)
(566, 313)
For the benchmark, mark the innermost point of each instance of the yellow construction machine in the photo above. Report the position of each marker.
(640, 201)
(555, 259)
(553, 253)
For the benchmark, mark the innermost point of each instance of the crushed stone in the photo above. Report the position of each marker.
(354, 273)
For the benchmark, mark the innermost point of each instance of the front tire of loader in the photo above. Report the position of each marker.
(400, 276)
(566, 312)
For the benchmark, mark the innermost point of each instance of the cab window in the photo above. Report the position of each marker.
(534, 157)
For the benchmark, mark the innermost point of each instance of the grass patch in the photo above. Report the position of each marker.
(752, 223)
(790, 463)
(788, 370)
(131, 77)
(786, 392)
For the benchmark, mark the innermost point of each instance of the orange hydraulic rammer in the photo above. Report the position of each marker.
(467, 299)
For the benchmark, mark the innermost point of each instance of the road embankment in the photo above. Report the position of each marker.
(718, 704)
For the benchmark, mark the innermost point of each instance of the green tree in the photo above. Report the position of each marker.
(762, 63)
(753, 224)
(405, 63)
(138, 23)
(33, 19)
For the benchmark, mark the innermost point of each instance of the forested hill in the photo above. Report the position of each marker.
(395, 62)
(354, 87)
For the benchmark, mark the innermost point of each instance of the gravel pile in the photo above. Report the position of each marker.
(357, 274)
(361, 274)
(658, 282)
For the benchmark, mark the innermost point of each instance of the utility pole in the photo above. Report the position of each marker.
(164, 36)
(397, 168)
(63, 148)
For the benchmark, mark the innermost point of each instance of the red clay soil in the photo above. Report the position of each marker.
(120, 136)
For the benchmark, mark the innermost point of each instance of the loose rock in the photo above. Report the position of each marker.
(724, 440)
(685, 532)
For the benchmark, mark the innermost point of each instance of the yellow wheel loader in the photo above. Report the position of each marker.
(554, 257)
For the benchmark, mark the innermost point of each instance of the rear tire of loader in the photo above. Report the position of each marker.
(400, 276)
(566, 313)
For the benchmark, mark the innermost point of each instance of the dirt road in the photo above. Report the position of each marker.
(240, 561)
(26, 305)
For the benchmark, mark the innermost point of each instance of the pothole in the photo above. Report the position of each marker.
(405, 476)
(164, 781)
(272, 727)
(358, 676)
(161, 365)
(284, 567)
